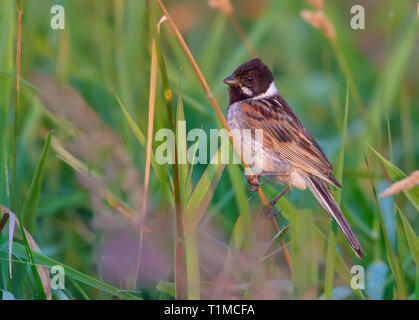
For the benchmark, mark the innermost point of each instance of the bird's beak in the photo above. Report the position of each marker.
(231, 81)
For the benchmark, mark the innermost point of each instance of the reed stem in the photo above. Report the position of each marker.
(13, 192)
(217, 109)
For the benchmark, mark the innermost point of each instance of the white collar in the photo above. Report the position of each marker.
(270, 92)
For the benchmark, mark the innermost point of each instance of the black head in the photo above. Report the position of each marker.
(249, 80)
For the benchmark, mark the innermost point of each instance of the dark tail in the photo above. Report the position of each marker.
(320, 190)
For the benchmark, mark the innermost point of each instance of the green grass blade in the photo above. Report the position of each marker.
(194, 211)
(211, 50)
(413, 243)
(346, 70)
(141, 138)
(38, 290)
(330, 261)
(188, 182)
(6, 36)
(340, 162)
(19, 252)
(412, 238)
(167, 288)
(80, 289)
(31, 202)
(243, 228)
(29, 214)
(196, 104)
(340, 265)
(305, 259)
(389, 82)
(182, 147)
(394, 266)
(390, 144)
(192, 267)
(202, 195)
(396, 174)
(19, 5)
(135, 129)
(331, 244)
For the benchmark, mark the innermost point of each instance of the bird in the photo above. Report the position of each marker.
(287, 154)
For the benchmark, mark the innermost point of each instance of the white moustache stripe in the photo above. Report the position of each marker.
(246, 91)
(270, 92)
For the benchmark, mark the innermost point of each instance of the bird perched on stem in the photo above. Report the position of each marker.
(288, 154)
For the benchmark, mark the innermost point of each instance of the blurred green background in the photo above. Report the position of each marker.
(67, 77)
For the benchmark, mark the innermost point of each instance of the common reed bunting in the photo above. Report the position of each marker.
(288, 154)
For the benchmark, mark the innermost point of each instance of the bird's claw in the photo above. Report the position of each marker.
(253, 188)
(270, 212)
(254, 183)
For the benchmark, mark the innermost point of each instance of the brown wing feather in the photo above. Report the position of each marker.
(285, 135)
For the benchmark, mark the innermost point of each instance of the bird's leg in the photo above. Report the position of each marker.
(254, 182)
(254, 179)
(270, 211)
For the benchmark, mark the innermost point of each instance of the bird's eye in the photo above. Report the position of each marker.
(250, 78)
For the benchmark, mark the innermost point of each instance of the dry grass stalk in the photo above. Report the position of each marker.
(151, 105)
(175, 182)
(222, 5)
(226, 8)
(18, 51)
(402, 185)
(320, 21)
(14, 196)
(218, 111)
(207, 89)
(316, 3)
